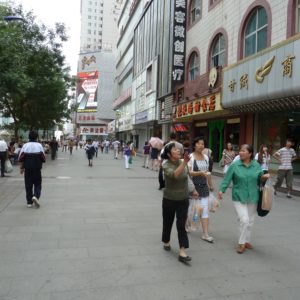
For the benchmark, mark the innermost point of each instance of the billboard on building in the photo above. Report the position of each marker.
(87, 88)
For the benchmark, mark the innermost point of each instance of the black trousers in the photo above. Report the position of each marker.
(169, 209)
(161, 178)
(2, 158)
(33, 184)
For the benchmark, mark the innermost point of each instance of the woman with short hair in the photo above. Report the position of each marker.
(175, 198)
(245, 174)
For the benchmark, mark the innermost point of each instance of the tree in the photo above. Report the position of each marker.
(34, 82)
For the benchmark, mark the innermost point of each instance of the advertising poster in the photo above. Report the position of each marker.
(87, 86)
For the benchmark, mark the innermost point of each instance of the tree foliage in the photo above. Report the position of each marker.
(34, 80)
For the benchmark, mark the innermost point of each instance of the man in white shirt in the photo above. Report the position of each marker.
(116, 145)
(3, 154)
(285, 156)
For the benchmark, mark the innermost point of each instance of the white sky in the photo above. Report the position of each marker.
(65, 11)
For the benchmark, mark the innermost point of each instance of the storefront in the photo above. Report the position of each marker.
(205, 117)
(268, 88)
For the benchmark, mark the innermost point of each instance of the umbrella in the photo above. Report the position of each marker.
(156, 142)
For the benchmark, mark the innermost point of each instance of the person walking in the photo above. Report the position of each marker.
(53, 148)
(245, 174)
(127, 154)
(65, 145)
(106, 146)
(228, 156)
(31, 159)
(146, 153)
(71, 145)
(96, 147)
(175, 199)
(154, 158)
(263, 157)
(90, 152)
(201, 177)
(116, 144)
(285, 156)
(3, 154)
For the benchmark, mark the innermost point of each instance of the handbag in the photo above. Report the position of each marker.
(265, 199)
(8, 168)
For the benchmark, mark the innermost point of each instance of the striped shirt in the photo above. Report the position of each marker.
(286, 155)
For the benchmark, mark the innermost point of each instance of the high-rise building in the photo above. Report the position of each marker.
(99, 25)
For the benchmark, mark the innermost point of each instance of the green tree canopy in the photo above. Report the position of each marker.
(34, 80)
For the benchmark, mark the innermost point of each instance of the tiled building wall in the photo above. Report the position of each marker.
(228, 14)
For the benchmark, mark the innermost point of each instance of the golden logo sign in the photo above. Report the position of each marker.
(263, 71)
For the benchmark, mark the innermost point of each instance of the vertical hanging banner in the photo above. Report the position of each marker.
(87, 85)
(179, 40)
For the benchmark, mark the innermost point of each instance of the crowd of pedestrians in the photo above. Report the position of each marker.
(184, 174)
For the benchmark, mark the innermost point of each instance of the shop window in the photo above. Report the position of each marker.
(195, 13)
(218, 51)
(193, 66)
(149, 78)
(162, 110)
(298, 17)
(256, 32)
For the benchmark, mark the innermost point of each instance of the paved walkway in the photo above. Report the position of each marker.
(97, 236)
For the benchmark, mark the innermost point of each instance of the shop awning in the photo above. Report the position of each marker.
(282, 104)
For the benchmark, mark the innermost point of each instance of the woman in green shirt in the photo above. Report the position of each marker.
(245, 175)
(175, 198)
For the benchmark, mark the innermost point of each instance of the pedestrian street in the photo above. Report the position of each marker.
(97, 235)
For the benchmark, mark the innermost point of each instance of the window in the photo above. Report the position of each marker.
(99, 32)
(89, 31)
(298, 17)
(194, 66)
(149, 78)
(218, 51)
(89, 24)
(89, 17)
(256, 32)
(195, 11)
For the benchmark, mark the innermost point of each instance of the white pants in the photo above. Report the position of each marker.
(204, 205)
(246, 214)
(115, 153)
(126, 161)
(146, 160)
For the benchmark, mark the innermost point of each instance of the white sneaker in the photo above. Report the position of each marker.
(36, 202)
(29, 205)
(208, 238)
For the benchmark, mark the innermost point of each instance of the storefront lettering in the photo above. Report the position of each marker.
(244, 81)
(180, 3)
(203, 105)
(288, 66)
(263, 71)
(179, 42)
(231, 85)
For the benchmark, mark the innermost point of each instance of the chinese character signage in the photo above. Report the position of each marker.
(179, 34)
(86, 118)
(202, 105)
(273, 75)
(87, 85)
(93, 130)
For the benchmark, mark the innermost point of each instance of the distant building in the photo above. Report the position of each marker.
(98, 25)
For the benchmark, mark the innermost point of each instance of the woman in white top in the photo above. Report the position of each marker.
(201, 177)
(263, 157)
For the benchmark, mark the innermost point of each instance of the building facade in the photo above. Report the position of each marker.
(96, 67)
(242, 82)
(123, 106)
(98, 25)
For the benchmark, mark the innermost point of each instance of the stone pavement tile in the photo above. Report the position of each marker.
(10, 255)
(15, 237)
(291, 278)
(181, 289)
(111, 293)
(5, 285)
(28, 245)
(243, 284)
(36, 228)
(280, 294)
(56, 254)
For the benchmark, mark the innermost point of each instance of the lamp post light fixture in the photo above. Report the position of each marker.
(13, 18)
